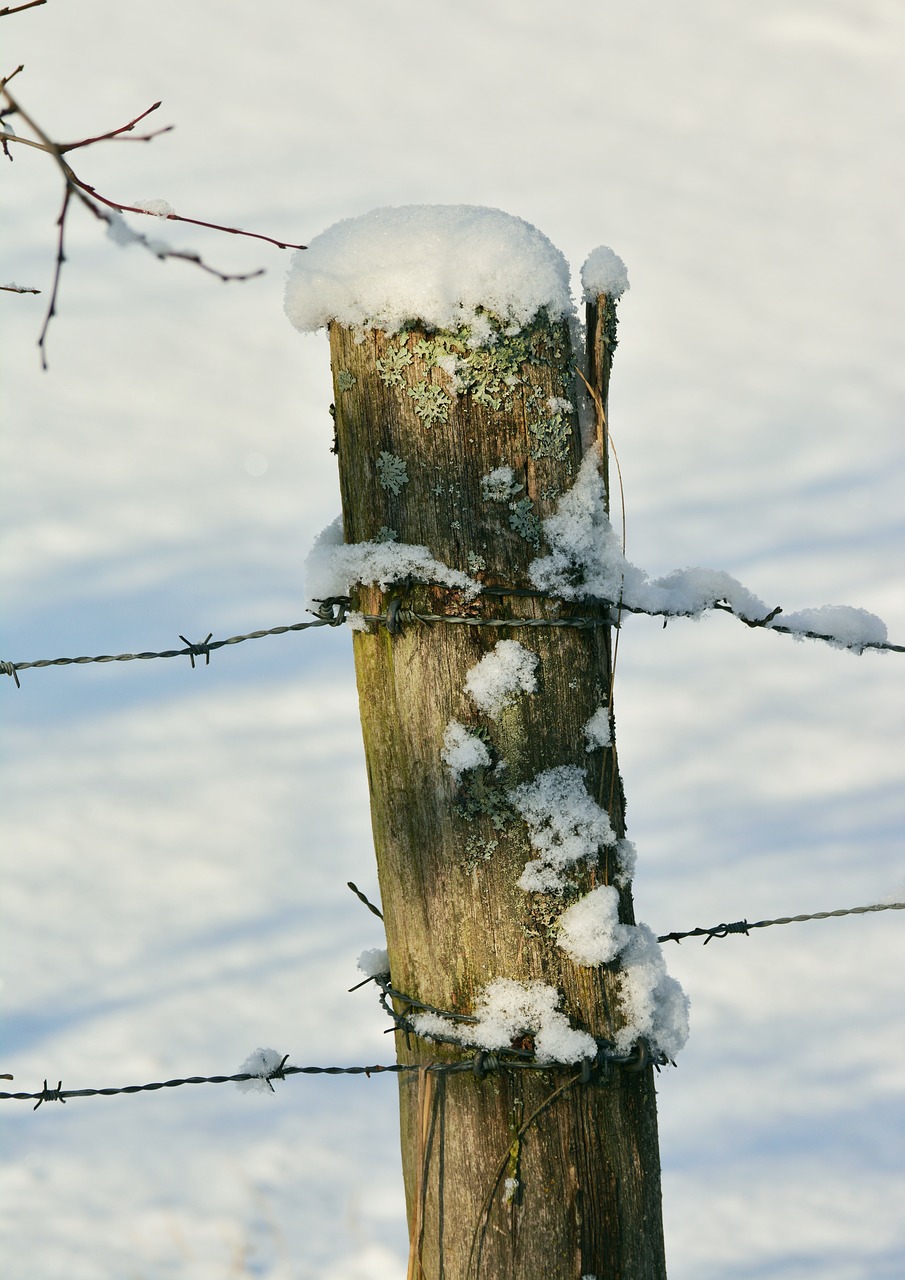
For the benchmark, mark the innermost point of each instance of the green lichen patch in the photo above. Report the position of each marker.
(524, 521)
(480, 795)
(476, 563)
(345, 381)
(552, 437)
(391, 368)
(610, 324)
(431, 402)
(481, 848)
(386, 535)
(392, 472)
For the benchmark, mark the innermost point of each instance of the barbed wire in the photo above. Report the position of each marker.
(744, 926)
(330, 617)
(334, 610)
(398, 613)
(480, 1063)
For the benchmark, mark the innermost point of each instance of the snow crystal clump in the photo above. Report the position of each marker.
(565, 826)
(626, 858)
(846, 627)
(494, 681)
(654, 1005)
(603, 272)
(597, 731)
(374, 963)
(462, 750)
(507, 1010)
(586, 561)
(159, 208)
(589, 931)
(334, 567)
(585, 557)
(260, 1064)
(499, 485)
(440, 265)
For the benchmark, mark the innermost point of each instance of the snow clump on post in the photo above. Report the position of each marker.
(494, 681)
(443, 266)
(603, 272)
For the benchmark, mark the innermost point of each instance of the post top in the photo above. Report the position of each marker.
(443, 266)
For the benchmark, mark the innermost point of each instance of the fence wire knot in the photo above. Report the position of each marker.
(278, 1073)
(200, 650)
(9, 669)
(483, 1063)
(333, 610)
(723, 930)
(50, 1095)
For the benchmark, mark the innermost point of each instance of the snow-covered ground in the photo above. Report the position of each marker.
(177, 842)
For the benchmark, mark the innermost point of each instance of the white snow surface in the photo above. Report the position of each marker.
(506, 1010)
(462, 750)
(565, 826)
(333, 567)
(440, 265)
(507, 670)
(604, 272)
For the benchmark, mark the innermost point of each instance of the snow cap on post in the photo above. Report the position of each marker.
(441, 266)
(603, 272)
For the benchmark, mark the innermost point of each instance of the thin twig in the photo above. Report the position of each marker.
(17, 8)
(57, 269)
(426, 1105)
(481, 1226)
(116, 135)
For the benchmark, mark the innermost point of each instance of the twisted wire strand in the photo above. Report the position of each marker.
(479, 1064)
(333, 611)
(200, 649)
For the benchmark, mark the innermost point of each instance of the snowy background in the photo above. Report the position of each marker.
(177, 842)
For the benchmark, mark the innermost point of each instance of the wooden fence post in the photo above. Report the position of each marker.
(510, 1173)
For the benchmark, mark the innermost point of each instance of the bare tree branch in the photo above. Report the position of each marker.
(99, 205)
